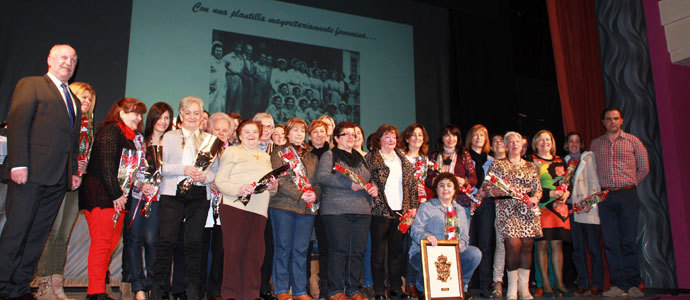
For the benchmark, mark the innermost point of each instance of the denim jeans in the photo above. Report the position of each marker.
(142, 232)
(469, 259)
(347, 239)
(410, 272)
(619, 218)
(579, 233)
(291, 235)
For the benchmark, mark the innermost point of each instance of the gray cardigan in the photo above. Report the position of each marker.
(337, 197)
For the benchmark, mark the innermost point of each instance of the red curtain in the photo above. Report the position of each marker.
(578, 66)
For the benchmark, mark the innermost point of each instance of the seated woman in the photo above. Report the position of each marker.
(430, 224)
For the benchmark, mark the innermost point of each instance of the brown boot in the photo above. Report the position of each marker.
(45, 289)
(126, 291)
(57, 281)
(283, 296)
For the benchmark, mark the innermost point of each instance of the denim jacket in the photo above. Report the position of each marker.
(431, 220)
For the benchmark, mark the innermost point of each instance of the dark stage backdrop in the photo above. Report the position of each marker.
(98, 30)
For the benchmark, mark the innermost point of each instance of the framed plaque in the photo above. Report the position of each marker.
(442, 270)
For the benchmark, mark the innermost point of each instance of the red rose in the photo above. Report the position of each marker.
(451, 214)
(450, 229)
(494, 180)
(452, 238)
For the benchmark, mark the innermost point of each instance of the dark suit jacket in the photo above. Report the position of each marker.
(39, 134)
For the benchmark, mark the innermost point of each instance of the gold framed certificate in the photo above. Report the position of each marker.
(442, 270)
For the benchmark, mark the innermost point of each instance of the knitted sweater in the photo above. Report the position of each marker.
(338, 198)
(100, 186)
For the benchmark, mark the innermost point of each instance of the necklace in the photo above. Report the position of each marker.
(389, 156)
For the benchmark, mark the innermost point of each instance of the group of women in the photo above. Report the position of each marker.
(229, 204)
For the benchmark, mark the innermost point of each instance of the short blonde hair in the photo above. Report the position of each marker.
(511, 134)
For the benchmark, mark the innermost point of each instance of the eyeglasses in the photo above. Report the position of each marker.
(347, 134)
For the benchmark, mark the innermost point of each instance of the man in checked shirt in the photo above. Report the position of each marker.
(622, 164)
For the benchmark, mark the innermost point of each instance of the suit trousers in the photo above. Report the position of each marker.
(31, 210)
(55, 252)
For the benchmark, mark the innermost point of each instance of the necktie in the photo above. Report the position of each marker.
(70, 104)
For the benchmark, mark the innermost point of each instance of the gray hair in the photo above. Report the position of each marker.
(511, 134)
(215, 117)
(262, 115)
(186, 101)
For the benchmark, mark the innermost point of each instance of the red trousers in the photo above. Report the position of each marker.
(105, 234)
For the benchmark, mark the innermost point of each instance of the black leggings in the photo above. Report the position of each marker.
(519, 253)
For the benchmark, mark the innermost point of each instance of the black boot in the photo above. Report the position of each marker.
(156, 293)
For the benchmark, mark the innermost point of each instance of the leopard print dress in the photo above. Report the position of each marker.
(513, 218)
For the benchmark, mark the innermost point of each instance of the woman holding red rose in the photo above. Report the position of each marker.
(554, 218)
(430, 224)
(515, 221)
(397, 194)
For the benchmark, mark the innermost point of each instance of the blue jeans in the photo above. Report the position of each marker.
(469, 259)
(291, 235)
(347, 239)
(579, 233)
(367, 280)
(142, 233)
(619, 214)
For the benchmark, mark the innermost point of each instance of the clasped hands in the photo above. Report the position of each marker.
(372, 190)
(195, 174)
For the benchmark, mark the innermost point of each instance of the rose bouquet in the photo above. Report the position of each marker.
(452, 230)
(153, 176)
(262, 184)
(589, 202)
(209, 149)
(422, 166)
(299, 173)
(406, 221)
(129, 161)
(85, 142)
(498, 182)
(567, 179)
(347, 171)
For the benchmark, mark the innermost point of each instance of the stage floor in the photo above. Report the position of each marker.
(80, 293)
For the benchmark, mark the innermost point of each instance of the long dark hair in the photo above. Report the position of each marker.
(154, 115)
(449, 129)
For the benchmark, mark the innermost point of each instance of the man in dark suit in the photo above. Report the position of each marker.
(42, 137)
